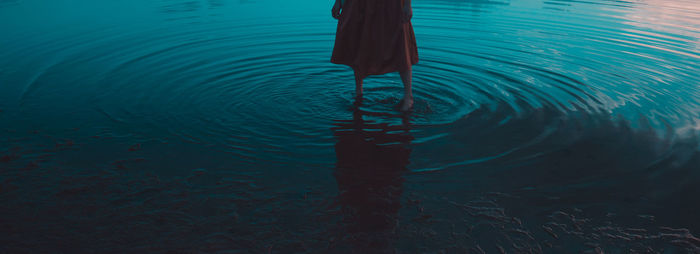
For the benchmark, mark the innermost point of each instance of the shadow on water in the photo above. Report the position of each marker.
(371, 160)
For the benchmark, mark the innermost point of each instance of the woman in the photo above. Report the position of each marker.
(376, 37)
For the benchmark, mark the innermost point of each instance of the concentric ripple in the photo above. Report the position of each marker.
(188, 76)
(537, 94)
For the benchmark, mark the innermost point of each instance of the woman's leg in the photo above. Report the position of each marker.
(358, 85)
(407, 91)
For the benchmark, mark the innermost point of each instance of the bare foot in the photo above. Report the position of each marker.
(406, 103)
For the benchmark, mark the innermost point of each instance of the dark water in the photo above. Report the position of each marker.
(220, 126)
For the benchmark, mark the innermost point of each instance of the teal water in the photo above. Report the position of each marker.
(218, 126)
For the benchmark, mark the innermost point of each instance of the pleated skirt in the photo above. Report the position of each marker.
(372, 39)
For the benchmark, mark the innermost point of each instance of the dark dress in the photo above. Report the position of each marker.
(372, 39)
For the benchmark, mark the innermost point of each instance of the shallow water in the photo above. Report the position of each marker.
(221, 126)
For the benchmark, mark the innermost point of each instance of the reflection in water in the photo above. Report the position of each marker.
(673, 17)
(371, 158)
(180, 124)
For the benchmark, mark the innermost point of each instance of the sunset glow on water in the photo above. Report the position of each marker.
(220, 126)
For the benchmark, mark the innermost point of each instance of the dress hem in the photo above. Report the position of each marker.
(375, 73)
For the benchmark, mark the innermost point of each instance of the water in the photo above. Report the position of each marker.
(220, 126)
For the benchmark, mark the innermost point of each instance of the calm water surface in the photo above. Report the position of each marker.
(220, 126)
